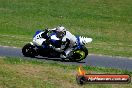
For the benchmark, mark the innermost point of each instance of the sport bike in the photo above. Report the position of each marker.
(78, 53)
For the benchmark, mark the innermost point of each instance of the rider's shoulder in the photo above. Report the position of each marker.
(68, 33)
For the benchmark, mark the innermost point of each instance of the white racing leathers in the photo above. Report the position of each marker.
(73, 41)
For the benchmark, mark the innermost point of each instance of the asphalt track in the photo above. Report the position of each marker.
(91, 60)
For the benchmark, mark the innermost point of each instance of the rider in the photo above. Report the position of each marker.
(67, 39)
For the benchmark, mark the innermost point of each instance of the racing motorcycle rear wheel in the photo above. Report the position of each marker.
(28, 50)
(79, 54)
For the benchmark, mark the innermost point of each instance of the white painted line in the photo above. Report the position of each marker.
(13, 36)
(10, 47)
(109, 56)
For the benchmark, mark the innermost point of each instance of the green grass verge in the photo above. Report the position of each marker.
(24, 73)
(108, 22)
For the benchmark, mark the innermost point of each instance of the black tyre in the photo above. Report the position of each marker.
(79, 54)
(28, 50)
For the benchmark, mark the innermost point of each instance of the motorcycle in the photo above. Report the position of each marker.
(78, 53)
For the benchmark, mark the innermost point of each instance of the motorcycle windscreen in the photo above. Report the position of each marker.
(37, 32)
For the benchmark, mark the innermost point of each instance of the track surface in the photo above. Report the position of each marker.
(91, 60)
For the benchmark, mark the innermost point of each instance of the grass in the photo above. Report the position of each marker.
(24, 73)
(108, 22)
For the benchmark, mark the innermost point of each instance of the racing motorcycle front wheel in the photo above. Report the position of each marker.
(79, 54)
(28, 50)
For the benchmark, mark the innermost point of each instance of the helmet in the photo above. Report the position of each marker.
(60, 31)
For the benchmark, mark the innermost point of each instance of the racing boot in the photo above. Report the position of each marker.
(63, 55)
